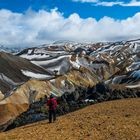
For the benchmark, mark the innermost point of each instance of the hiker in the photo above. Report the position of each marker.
(52, 104)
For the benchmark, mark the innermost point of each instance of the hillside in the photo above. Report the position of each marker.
(66, 68)
(115, 120)
(14, 71)
(116, 63)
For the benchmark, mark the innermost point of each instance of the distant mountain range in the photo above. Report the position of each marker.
(10, 49)
(61, 67)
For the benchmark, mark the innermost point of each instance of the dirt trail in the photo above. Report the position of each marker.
(114, 120)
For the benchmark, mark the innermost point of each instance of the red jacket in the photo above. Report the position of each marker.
(54, 104)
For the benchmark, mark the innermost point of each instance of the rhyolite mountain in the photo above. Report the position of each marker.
(60, 68)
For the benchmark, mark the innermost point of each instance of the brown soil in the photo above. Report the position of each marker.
(114, 120)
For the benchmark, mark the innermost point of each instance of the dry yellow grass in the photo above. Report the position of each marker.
(114, 120)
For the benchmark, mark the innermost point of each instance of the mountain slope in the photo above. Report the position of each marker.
(118, 119)
(118, 62)
(15, 70)
(64, 67)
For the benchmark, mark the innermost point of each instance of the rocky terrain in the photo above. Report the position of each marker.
(79, 99)
(64, 67)
(115, 120)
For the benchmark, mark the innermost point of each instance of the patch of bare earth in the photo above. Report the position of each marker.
(114, 120)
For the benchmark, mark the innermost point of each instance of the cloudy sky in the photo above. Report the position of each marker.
(34, 22)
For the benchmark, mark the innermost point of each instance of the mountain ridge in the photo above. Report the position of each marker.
(62, 68)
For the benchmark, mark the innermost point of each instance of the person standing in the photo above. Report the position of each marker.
(52, 104)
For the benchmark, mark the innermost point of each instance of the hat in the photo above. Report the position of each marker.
(51, 96)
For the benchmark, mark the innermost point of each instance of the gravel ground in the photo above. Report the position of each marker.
(113, 120)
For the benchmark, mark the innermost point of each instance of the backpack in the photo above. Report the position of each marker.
(51, 103)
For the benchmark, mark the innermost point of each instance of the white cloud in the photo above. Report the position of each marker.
(132, 3)
(110, 3)
(85, 1)
(34, 28)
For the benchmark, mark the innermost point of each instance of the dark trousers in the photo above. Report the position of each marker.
(52, 115)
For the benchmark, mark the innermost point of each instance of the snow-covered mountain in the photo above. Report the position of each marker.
(15, 71)
(117, 62)
(10, 49)
(61, 67)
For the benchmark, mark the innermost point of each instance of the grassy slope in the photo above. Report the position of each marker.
(114, 120)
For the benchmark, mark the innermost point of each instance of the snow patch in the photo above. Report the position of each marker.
(63, 82)
(8, 80)
(134, 86)
(35, 75)
(54, 94)
(89, 101)
(29, 51)
(75, 64)
(118, 79)
(34, 56)
(52, 81)
(133, 66)
(136, 74)
(42, 63)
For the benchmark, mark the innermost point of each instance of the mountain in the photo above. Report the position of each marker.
(116, 62)
(15, 71)
(10, 49)
(104, 121)
(64, 68)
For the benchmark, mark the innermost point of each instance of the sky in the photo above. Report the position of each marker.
(34, 22)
